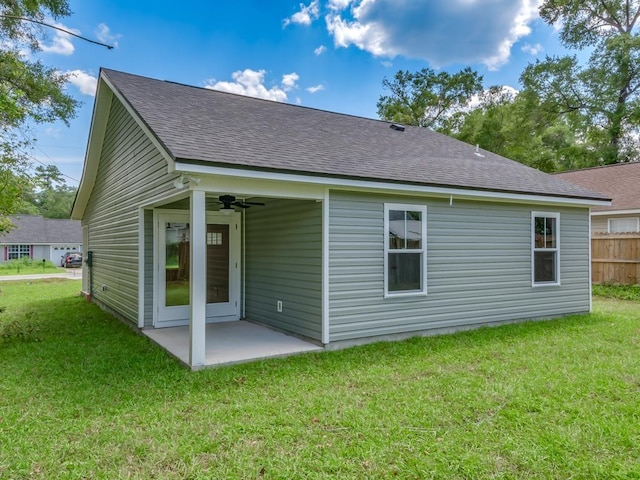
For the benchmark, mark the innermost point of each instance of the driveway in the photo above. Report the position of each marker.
(70, 274)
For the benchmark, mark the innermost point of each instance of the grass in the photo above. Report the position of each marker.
(620, 292)
(24, 266)
(177, 293)
(83, 396)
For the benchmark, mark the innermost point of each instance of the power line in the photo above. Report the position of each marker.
(35, 145)
(24, 19)
(52, 162)
(35, 159)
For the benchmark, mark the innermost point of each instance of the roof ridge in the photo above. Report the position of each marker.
(274, 102)
(620, 164)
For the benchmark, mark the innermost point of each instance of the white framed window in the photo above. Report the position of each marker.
(545, 248)
(18, 251)
(405, 250)
(624, 225)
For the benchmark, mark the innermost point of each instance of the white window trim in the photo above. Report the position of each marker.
(555, 215)
(423, 250)
(637, 219)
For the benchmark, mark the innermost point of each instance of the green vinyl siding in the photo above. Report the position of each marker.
(284, 262)
(131, 171)
(478, 267)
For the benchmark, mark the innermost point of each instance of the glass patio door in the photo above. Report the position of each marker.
(222, 268)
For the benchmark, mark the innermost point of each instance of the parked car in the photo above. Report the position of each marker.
(71, 260)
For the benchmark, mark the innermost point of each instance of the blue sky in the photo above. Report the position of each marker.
(327, 54)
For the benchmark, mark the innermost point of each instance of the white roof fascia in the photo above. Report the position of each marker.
(387, 187)
(101, 108)
(161, 148)
(615, 212)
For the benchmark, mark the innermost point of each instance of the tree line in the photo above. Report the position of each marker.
(569, 113)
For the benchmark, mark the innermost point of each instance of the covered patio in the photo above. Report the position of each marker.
(227, 343)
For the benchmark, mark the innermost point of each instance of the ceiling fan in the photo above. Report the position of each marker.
(229, 201)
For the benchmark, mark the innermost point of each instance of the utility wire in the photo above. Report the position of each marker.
(110, 47)
(24, 152)
(35, 159)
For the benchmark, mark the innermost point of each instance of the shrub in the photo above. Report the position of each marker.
(620, 292)
(26, 263)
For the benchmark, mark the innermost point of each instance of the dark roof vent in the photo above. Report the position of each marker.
(397, 127)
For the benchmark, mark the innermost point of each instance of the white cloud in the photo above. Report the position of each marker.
(371, 37)
(533, 50)
(320, 50)
(289, 80)
(338, 4)
(61, 43)
(520, 28)
(53, 132)
(315, 88)
(85, 82)
(306, 15)
(387, 63)
(251, 83)
(105, 36)
(443, 32)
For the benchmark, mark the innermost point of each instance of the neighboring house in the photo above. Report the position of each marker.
(40, 238)
(364, 230)
(615, 229)
(621, 183)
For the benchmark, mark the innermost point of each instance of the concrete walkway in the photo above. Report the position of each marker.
(69, 274)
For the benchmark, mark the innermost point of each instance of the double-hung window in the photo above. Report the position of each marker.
(405, 252)
(545, 254)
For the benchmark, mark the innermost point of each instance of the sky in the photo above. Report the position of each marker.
(326, 54)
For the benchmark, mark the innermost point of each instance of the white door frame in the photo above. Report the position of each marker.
(178, 316)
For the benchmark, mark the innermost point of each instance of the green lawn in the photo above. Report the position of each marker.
(83, 396)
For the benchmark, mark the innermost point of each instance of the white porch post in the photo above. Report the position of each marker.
(197, 279)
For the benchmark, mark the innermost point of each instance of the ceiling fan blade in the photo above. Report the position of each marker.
(230, 201)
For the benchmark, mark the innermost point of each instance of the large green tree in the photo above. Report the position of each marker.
(50, 196)
(603, 92)
(30, 93)
(512, 124)
(426, 98)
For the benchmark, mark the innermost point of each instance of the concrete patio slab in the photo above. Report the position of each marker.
(232, 342)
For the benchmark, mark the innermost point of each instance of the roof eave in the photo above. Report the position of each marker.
(100, 116)
(342, 182)
(630, 211)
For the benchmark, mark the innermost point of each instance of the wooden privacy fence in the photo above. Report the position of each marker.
(615, 258)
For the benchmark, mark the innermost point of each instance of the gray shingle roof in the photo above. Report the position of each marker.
(620, 182)
(34, 229)
(198, 125)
